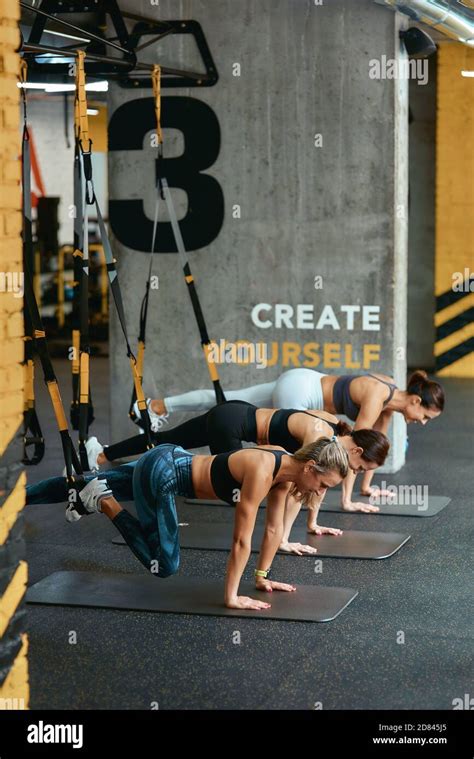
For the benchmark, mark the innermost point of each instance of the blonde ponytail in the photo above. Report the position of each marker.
(328, 455)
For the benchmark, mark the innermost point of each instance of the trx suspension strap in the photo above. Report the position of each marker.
(81, 266)
(38, 333)
(189, 279)
(156, 81)
(91, 199)
(80, 277)
(162, 190)
(117, 296)
(32, 434)
(77, 264)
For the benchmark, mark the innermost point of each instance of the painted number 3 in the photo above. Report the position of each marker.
(198, 123)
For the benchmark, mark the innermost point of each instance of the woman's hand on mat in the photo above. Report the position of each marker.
(298, 548)
(318, 529)
(366, 508)
(270, 585)
(376, 492)
(244, 602)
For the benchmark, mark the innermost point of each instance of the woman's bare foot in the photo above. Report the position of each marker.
(158, 406)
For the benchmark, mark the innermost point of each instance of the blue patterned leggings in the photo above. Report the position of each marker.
(152, 482)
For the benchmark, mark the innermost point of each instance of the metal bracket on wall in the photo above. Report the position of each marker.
(98, 62)
(132, 72)
(159, 29)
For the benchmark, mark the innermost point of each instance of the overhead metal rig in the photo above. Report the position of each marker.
(100, 59)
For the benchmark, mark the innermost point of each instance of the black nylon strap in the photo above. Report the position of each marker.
(35, 321)
(77, 268)
(117, 296)
(32, 433)
(32, 436)
(70, 456)
(220, 397)
(146, 298)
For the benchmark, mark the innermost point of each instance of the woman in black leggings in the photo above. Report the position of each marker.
(226, 426)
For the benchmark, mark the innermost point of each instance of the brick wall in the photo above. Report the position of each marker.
(14, 691)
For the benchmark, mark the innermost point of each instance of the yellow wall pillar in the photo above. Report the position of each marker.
(454, 266)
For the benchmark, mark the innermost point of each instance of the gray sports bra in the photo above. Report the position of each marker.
(341, 397)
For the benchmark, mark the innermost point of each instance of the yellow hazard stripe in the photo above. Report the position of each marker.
(15, 688)
(455, 339)
(11, 507)
(13, 595)
(455, 309)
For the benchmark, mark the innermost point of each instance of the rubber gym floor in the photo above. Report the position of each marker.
(131, 660)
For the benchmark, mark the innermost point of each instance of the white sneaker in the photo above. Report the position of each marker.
(93, 448)
(157, 421)
(91, 496)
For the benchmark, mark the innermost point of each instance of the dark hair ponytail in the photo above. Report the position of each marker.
(430, 392)
(342, 428)
(375, 445)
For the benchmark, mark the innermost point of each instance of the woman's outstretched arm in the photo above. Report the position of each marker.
(255, 487)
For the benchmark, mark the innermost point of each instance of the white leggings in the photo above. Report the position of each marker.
(296, 388)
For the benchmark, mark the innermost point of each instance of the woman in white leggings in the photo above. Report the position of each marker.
(296, 388)
(370, 400)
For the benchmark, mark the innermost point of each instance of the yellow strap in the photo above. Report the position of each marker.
(156, 81)
(140, 358)
(189, 278)
(210, 364)
(58, 407)
(81, 121)
(84, 379)
(138, 385)
(75, 351)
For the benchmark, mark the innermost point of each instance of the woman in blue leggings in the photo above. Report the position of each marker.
(242, 478)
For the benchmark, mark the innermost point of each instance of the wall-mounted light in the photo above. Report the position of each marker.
(92, 111)
(418, 43)
(101, 86)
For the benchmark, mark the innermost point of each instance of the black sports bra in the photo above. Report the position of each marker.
(279, 434)
(224, 484)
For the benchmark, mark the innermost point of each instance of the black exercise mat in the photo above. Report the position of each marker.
(352, 544)
(184, 595)
(332, 502)
(435, 504)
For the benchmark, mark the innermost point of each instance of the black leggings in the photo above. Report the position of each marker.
(222, 428)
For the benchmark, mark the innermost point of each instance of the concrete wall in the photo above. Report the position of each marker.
(336, 211)
(421, 228)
